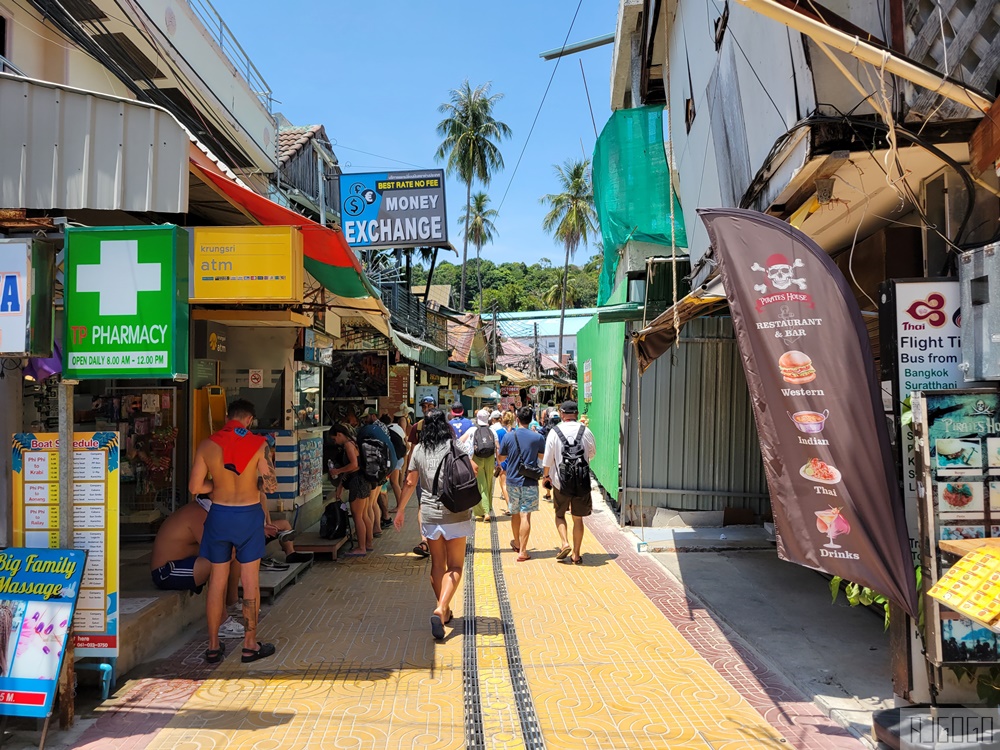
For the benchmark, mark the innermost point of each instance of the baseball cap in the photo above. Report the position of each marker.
(495, 414)
(428, 400)
(371, 411)
(457, 408)
(483, 416)
(569, 407)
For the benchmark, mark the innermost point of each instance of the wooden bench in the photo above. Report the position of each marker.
(311, 541)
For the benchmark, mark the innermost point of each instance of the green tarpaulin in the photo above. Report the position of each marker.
(600, 351)
(632, 188)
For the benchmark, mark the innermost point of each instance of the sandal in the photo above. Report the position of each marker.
(563, 553)
(513, 546)
(451, 615)
(577, 560)
(422, 550)
(263, 651)
(522, 559)
(355, 553)
(437, 628)
(214, 655)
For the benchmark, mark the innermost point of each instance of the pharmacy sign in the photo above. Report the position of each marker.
(126, 302)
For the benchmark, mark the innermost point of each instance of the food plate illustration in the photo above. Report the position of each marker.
(820, 471)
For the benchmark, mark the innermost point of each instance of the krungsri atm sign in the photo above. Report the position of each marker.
(126, 302)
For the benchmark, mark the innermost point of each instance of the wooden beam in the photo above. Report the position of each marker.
(261, 318)
(984, 146)
(808, 187)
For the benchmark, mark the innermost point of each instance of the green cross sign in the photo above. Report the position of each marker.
(126, 295)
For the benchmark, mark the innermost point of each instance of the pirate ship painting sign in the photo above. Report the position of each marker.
(780, 275)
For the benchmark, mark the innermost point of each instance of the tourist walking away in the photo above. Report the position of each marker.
(569, 449)
(481, 442)
(176, 566)
(436, 469)
(460, 424)
(354, 482)
(499, 431)
(523, 451)
(235, 458)
(427, 403)
(550, 418)
(398, 437)
(377, 459)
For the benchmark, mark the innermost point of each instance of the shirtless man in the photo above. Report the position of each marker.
(234, 457)
(175, 565)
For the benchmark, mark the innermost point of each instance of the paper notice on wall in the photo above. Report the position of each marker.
(256, 378)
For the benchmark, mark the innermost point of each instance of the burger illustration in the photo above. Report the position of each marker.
(796, 367)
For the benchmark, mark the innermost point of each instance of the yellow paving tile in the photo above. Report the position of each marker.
(356, 666)
(605, 668)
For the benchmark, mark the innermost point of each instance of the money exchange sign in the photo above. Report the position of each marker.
(126, 302)
(394, 209)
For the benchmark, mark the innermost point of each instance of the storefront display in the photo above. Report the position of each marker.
(357, 375)
(959, 468)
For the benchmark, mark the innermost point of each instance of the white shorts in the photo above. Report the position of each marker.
(447, 530)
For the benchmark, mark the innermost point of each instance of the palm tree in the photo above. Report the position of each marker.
(571, 217)
(553, 295)
(479, 229)
(471, 144)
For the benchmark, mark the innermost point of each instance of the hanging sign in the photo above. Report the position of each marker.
(126, 302)
(818, 408)
(38, 593)
(394, 209)
(95, 522)
(588, 382)
(27, 272)
(247, 264)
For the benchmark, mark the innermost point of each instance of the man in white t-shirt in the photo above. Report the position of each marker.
(579, 505)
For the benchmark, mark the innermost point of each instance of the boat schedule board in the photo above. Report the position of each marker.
(95, 523)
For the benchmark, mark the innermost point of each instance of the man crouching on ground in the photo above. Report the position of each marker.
(234, 457)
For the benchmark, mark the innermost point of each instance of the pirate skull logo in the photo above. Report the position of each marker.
(780, 273)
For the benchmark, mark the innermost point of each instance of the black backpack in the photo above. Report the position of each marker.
(398, 444)
(574, 469)
(335, 521)
(374, 460)
(484, 442)
(459, 489)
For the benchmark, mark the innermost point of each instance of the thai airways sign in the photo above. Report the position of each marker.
(126, 302)
(394, 209)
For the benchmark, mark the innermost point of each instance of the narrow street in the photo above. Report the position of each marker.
(610, 654)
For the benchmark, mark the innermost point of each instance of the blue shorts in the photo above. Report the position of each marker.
(233, 526)
(523, 499)
(177, 575)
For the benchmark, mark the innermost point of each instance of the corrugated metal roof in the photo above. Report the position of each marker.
(69, 148)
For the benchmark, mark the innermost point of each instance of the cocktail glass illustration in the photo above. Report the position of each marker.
(831, 523)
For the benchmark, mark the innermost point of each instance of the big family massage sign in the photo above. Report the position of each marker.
(817, 404)
(95, 523)
(38, 594)
(126, 302)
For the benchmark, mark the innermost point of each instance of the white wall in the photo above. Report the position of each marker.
(765, 47)
(544, 342)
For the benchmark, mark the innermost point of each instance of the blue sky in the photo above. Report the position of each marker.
(375, 72)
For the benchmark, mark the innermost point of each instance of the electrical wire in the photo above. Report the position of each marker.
(540, 105)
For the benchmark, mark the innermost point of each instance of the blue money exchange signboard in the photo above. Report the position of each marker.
(38, 591)
(394, 209)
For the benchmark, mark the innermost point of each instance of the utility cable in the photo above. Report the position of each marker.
(540, 104)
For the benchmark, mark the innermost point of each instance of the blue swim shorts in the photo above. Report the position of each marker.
(523, 499)
(228, 527)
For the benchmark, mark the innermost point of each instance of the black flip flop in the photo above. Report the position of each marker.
(437, 628)
(214, 655)
(263, 651)
(421, 550)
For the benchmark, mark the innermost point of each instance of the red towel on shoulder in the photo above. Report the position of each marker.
(238, 444)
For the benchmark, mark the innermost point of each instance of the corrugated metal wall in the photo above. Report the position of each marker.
(690, 429)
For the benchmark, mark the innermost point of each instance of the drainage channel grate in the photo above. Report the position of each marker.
(474, 736)
(530, 730)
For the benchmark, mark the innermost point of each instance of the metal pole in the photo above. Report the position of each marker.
(66, 676)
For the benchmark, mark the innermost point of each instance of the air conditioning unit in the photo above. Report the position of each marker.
(979, 277)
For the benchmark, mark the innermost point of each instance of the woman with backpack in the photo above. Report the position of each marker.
(358, 489)
(480, 442)
(444, 530)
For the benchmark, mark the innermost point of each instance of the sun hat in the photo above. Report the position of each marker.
(483, 417)
(403, 411)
